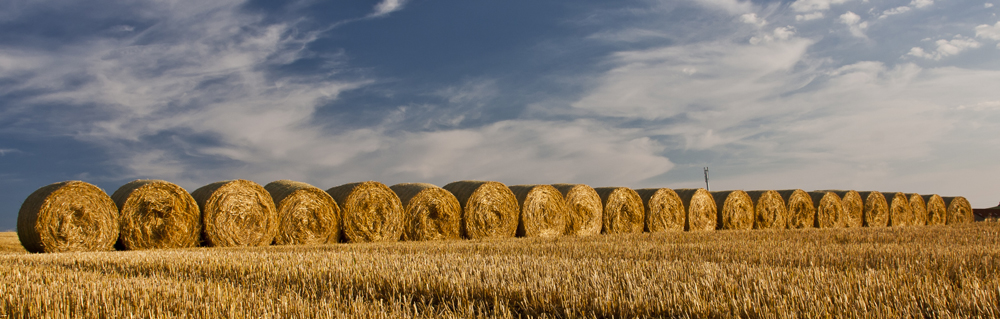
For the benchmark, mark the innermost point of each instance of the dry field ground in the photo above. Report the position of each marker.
(933, 271)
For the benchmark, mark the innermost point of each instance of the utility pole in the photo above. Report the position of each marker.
(706, 179)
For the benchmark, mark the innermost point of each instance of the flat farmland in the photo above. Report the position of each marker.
(926, 271)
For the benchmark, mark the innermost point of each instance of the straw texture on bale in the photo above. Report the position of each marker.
(769, 209)
(370, 212)
(306, 214)
(664, 209)
(852, 214)
(937, 211)
(959, 210)
(68, 216)
(876, 213)
(236, 213)
(156, 214)
(919, 209)
(489, 209)
(801, 212)
(700, 208)
(829, 210)
(543, 211)
(584, 209)
(900, 213)
(623, 211)
(429, 212)
(734, 210)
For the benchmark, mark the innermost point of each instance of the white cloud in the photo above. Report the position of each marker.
(777, 117)
(986, 31)
(987, 5)
(751, 18)
(212, 111)
(650, 84)
(894, 11)
(809, 16)
(946, 48)
(388, 6)
(814, 5)
(921, 3)
(521, 151)
(5, 151)
(782, 33)
(852, 20)
(732, 7)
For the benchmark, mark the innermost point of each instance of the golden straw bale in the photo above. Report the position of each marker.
(801, 212)
(489, 209)
(900, 213)
(959, 210)
(68, 216)
(852, 214)
(769, 209)
(829, 209)
(585, 212)
(700, 207)
(919, 208)
(937, 211)
(370, 212)
(543, 211)
(306, 214)
(156, 214)
(734, 210)
(664, 209)
(236, 213)
(876, 212)
(430, 212)
(623, 211)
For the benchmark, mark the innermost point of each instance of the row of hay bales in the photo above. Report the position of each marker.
(148, 214)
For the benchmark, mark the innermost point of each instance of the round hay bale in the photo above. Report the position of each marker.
(937, 211)
(829, 209)
(307, 215)
(68, 216)
(900, 213)
(584, 210)
(370, 212)
(236, 213)
(543, 211)
(876, 213)
(919, 209)
(801, 212)
(959, 210)
(769, 210)
(734, 210)
(156, 214)
(489, 209)
(623, 211)
(853, 210)
(429, 212)
(664, 209)
(700, 207)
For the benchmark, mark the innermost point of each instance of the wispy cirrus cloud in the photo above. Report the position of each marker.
(388, 6)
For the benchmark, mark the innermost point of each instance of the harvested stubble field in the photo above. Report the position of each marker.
(936, 271)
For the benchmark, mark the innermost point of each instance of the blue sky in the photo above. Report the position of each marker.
(811, 94)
